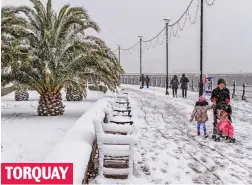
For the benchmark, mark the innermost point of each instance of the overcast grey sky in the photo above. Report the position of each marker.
(227, 33)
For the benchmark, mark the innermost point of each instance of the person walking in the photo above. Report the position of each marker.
(184, 85)
(200, 114)
(142, 81)
(147, 80)
(221, 96)
(174, 85)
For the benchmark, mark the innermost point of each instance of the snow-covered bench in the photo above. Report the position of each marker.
(122, 91)
(114, 128)
(121, 110)
(121, 96)
(112, 118)
(123, 102)
(115, 151)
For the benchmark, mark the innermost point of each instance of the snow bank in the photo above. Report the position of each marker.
(130, 180)
(76, 145)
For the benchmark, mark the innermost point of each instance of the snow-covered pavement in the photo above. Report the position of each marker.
(168, 150)
(27, 137)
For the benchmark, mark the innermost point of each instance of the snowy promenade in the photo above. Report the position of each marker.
(168, 150)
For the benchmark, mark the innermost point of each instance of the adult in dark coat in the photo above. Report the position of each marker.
(221, 93)
(221, 96)
(184, 85)
(174, 85)
(142, 79)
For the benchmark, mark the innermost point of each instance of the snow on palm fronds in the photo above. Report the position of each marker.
(14, 49)
(59, 44)
(48, 50)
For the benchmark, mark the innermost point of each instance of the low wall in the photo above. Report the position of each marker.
(76, 145)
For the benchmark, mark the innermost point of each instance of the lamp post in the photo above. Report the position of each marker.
(201, 49)
(167, 77)
(119, 53)
(119, 58)
(141, 85)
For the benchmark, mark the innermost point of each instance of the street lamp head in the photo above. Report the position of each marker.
(140, 37)
(167, 20)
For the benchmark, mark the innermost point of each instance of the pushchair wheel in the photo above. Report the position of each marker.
(214, 137)
(232, 140)
(217, 139)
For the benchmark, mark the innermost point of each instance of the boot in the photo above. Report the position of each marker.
(217, 138)
(231, 140)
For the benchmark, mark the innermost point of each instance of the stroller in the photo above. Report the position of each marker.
(219, 131)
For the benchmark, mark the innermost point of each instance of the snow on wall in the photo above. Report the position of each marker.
(76, 145)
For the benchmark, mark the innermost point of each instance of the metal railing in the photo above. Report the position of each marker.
(244, 91)
(157, 81)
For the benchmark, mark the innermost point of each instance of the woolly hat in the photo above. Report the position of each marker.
(221, 81)
(202, 98)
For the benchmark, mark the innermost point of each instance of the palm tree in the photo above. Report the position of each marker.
(61, 52)
(21, 95)
(75, 92)
(13, 50)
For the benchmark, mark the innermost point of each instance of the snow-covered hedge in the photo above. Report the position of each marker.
(76, 145)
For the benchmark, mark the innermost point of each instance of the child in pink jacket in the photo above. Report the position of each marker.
(200, 114)
(224, 125)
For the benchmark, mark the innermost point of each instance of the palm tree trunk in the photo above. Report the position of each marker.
(74, 95)
(50, 104)
(21, 96)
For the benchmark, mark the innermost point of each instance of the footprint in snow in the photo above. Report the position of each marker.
(151, 150)
(213, 168)
(194, 167)
(140, 162)
(146, 168)
(163, 170)
(157, 181)
(154, 146)
(153, 158)
(203, 159)
(166, 163)
(162, 147)
(177, 177)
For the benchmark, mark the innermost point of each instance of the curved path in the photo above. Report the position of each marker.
(169, 151)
